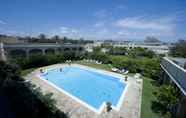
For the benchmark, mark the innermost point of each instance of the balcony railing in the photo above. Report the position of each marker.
(176, 73)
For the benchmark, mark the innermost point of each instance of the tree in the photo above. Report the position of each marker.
(146, 66)
(42, 36)
(117, 50)
(40, 60)
(167, 98)
(179, 49)
(97, 55)
(56, 37)
(8, 73)
(151, 39)
(65, 39)
(25, 100)
(97, 49)
(141, 52)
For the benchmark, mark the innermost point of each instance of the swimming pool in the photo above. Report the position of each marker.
(88, 87)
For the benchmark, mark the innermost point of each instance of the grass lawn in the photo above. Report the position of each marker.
(100, 66)
(25, 72)
(147, 97)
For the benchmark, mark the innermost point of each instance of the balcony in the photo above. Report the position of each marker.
(175, 72)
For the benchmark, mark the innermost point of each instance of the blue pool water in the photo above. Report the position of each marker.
(90, 87)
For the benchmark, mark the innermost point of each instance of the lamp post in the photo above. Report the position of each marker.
(2, 52)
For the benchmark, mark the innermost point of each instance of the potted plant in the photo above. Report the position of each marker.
(108, 106)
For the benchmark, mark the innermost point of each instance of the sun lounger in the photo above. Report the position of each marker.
(126, 72)
(137, 75)
(114, 69)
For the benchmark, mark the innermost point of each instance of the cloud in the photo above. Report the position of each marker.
(102, 13)
(99, 24)
(13, 32)
(142, 23)
(67, 30)
(2, 22)
(103, 31)
(121, 7)
(127, 28)
(140, 27)
(124, 33)
(64, 30)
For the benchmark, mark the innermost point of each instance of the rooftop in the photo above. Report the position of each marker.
(174, 68)
(180, 61)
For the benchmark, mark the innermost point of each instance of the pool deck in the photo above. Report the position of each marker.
(130, 108)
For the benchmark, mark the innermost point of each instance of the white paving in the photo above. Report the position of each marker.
(130, 108)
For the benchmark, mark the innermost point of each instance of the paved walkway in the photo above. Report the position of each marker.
(130, 108)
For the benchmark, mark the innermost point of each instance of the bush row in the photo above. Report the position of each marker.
(146, 66)
(43, 60)
(149, 67)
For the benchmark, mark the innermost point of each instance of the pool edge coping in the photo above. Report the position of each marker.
(103, 105)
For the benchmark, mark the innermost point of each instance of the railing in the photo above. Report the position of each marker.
(37, 45)
(177, 73)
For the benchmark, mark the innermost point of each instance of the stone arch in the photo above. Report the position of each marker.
(17, 53)
(50, 51)
(59, 49)
(80, 48)
(74, 48)
(35, 52)
(66, 49)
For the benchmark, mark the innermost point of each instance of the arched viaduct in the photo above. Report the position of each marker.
(26, 50)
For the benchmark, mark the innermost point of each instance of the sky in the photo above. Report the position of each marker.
(95, 19)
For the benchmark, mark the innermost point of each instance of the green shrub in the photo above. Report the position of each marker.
(146, 66)
(99, 56)
(39, 60)
(24, 100)
(141, 52)
(167, 98)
